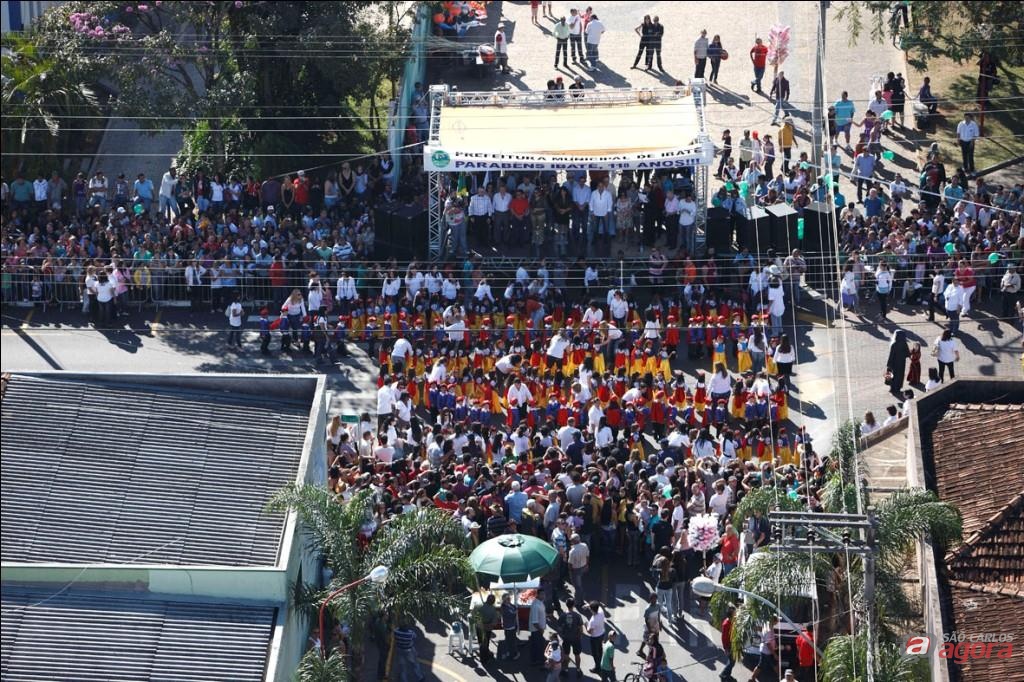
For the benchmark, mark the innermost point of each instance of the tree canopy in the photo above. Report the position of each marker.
(243, 79)
(960, 31)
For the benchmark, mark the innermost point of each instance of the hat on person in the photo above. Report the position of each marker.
(301, 173)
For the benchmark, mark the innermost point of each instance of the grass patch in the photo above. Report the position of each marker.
(956, 86)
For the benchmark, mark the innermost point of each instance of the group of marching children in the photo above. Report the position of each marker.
(626, 374)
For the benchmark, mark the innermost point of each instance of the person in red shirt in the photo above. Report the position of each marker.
(726, 673)
(805, 654)
(730, 549)
(301, 190)
(759, 58)
(965, 273)
(520, 209)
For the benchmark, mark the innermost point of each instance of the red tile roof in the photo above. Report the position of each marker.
(979, 460)
(978, 453)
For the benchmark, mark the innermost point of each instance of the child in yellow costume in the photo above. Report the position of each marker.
(743, 360)
(719, 355)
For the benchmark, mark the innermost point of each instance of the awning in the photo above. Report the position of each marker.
(567, 134)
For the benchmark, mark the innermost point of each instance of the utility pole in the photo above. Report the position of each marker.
(869, 593)
(810, 532)
(818, 115)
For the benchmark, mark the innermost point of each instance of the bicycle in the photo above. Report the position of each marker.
(641, 676)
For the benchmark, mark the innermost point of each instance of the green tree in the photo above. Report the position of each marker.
(903, 517)
(38, 96)
(425, 552)
(957, 30)
(258, 76)
(845, 660)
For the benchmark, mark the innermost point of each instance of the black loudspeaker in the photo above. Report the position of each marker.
(784, 228)
(819, 227)
(718, 232)
(756, 232)
(401, 232)
(819, 246)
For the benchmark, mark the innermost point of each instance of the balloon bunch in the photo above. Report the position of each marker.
(703, 532)
(778, 44)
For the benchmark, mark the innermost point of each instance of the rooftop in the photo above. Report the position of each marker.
(80, 637)
(965, 445)
(113, 469)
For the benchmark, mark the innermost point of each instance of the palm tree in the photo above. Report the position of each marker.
(846, 657)
(426, 554)
(903, 517)
(39, 91)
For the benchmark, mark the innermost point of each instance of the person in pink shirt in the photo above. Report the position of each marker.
(965, 273)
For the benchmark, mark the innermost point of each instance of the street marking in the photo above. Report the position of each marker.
(435, 665)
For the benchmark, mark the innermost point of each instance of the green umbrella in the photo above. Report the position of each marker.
(513, 558)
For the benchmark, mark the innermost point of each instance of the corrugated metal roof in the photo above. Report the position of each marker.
(103, 472)
(77, 637)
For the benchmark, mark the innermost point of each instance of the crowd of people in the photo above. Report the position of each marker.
(201, 237)
(560, 411)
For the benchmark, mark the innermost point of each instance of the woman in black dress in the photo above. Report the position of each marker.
(899, 351)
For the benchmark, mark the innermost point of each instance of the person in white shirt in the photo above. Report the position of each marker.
(671, 214)
(556, 348)
(520, 394)
(168, 194)
(869, 425)
(401, 350)
(345, 291)
(600, 214)
(98, 190)
(946, 354)
(954, 296)
(777, 304)
(483, 291)
(507, 364)
(414, 282)
(392, 285)
(700, 54)
(386, 398)
(687, 223)
(480, 210)
(575, 23)
(456, 330)
(450, 288)
(501, 219)
(439, 372)
(234, 314)
(595, 29)
(315, 297)
(501, 49)
(1009, 285)
(593, 316)
(966, 133)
